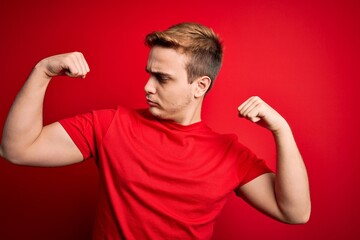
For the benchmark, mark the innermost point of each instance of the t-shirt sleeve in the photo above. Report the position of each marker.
(81, 130)
(258, 168)
(88, 130)
(251, 166)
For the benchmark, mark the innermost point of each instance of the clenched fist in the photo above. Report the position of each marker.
(70, 64)
(257, 111)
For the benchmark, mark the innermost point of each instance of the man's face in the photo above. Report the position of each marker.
(168, 92)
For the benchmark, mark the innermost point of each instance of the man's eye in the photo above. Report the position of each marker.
(161, 79)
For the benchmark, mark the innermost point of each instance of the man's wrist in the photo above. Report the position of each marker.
(40, 71)
(283, 128)
(39, 77)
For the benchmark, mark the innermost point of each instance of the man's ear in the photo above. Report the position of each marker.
(202, 84)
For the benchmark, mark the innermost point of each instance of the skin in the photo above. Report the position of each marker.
(25, 140)
(284, 196)
(168, 92)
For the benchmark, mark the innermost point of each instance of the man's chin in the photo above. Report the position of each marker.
(157, 113)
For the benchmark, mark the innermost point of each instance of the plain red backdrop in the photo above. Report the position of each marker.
(302, 57)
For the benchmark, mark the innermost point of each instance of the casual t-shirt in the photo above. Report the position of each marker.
(159, 179)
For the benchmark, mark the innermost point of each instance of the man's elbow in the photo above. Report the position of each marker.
(12, 156)
(1, 151)
(299, 218)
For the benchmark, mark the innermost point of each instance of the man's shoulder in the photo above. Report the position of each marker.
(122, 114)
(227, 139)
(221, 135)
(114, 111)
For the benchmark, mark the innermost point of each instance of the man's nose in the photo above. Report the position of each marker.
(150, 86)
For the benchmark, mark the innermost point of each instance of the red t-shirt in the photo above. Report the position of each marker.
(159, 179)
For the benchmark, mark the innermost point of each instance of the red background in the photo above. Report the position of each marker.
(302, 57)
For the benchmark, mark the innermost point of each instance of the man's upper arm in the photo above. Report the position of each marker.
(53, 147)
(260, 194)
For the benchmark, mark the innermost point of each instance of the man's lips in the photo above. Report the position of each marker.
(151, 103)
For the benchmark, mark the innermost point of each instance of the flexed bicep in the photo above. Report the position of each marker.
(53, 147)
(25, 140)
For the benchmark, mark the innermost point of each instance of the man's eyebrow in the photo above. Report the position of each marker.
(157, 73)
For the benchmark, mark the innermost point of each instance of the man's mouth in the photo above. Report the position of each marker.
(151, 103)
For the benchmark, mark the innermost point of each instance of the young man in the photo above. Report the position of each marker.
(163, 173)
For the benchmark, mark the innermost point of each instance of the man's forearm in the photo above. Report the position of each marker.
(25, 121)
(291, 184)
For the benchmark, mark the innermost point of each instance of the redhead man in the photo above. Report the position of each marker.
(164, 174)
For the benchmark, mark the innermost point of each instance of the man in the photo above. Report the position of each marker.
(163, 173)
